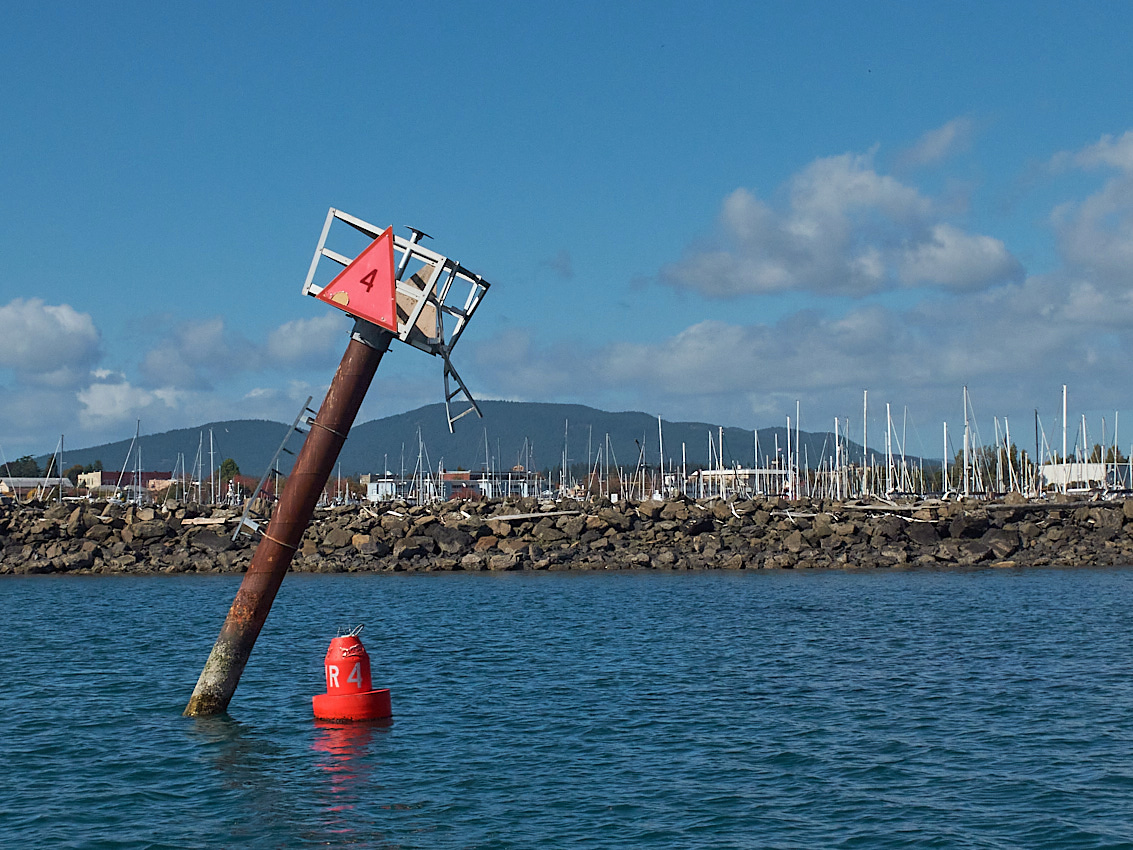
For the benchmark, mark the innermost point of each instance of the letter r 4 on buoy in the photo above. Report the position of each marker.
(356, 675)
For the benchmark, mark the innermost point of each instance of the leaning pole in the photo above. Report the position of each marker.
(277, 547)
(425, 300)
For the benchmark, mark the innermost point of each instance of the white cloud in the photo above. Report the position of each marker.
(49, 344)
(106, 404)
(197, 354)
(939, 144)
(956, 260)
(1096, 234)
(843, 229)
(315, 341)
(1107, 152)
(1012, 346)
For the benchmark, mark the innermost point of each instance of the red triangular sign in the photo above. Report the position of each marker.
(365, 288)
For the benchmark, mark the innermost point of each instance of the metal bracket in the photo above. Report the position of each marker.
(370, 334)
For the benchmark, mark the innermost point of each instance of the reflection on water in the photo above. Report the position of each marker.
(336, 779)
(247, 759)
(345, 758)
(344, 751)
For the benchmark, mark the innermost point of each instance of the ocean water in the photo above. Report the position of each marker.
(773, 709)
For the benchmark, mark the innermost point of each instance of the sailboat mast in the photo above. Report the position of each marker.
(1064, 423)
(967, 478)
(944, 463)
(888, 449)
(798, 446)
(865, 442)
(790, 463)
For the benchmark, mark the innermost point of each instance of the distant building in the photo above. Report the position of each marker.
(105, 481)
(20, 488)
(453, 485)
(1075, 476)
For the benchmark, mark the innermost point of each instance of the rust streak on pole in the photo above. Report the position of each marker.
(292, 514)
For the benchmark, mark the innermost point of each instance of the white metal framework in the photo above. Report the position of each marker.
(436, 297)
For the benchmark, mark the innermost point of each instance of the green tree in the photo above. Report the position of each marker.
(24, 467)
(1110, 457)
(228, 469)
(74, 472)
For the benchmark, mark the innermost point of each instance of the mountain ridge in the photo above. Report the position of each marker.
(516, 433)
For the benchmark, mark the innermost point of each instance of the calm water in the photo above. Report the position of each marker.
(980, 709)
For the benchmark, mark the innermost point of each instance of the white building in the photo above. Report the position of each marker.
(1074, 476)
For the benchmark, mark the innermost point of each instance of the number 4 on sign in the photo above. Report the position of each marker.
(365, 288)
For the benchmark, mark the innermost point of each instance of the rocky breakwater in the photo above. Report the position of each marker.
(526, 534)
(97, 537)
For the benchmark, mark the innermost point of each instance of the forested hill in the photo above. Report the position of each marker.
(500, 437)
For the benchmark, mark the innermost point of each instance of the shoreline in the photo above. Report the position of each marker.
(96, 538)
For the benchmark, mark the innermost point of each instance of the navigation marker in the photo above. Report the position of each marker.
(365, 288)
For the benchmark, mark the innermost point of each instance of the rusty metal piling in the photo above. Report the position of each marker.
(274, 552)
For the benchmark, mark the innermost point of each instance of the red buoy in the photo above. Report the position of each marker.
(350, 695)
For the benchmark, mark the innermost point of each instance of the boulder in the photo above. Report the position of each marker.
(546, 532)
(450, 540)
(968, 526)
(98, 532)
(571, 526)
(499, 563)
(485, 543)
(823, 526)
(337, 538)
(674, 511)
(210, 541)
(499, 527)
(922, 533)
(513, 546)
(1002, 541)
(473, 561)
(974, 551)
(616, 519)
(700, 526)
(373, 548)
(722, 510)
(57, 512)
(414, 546)
(890, 528)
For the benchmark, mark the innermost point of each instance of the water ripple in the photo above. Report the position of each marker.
(978, 709)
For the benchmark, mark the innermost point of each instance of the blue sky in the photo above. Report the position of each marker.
(707, 211)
